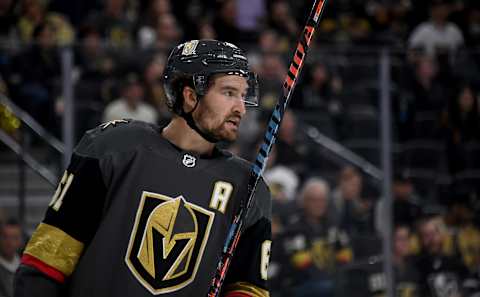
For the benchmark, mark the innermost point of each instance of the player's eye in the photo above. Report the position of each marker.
(229, 93)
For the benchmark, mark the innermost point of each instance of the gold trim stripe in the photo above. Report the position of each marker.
(247, 288)
(55, 248)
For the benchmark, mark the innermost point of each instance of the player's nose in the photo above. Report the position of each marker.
(239, 107)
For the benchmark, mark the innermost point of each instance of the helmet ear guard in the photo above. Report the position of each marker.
(173, 92)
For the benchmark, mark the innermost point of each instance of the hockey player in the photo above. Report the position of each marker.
(144, 210)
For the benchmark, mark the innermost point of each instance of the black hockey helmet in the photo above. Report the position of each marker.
(196, 61)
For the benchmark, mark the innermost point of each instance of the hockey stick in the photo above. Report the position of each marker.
(270, 136)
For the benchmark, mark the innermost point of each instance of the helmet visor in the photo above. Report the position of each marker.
(251, 97)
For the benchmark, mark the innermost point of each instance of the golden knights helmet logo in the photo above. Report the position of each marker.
(167, 242)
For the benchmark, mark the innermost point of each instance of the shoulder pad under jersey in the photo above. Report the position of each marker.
(116, 136)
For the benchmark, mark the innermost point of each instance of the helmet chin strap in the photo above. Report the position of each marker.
(191, 122)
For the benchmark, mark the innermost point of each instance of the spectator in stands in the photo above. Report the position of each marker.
(193, 14)
(381, 17)
(349, 187)
(429, 92)
(74, 10)
(64, 33)
(167, 31)
(8, 20)
(32, 14)
(92, 58)
(461, 122)
(283, 183)
(271, 73)
(206, 30)
(424, 91)
(270, 76)
(465, 242)
(225, 21)
(321, 91)
(154, 93)
(399, 24)
(313, 246)
(269, 42)
(38, 73)
(113, 23)
(96, 67)
(10, 244)
(366, 277)
(440, 274)
(357, 29)
(437, 34)
(292, 151)
(269, 68)
(281, 20)
(406, 274)
(406, 209)
(163, 34)
(130, 105)
(148, 21)
(353, 212)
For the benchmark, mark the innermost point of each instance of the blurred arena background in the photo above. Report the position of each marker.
(399, 77)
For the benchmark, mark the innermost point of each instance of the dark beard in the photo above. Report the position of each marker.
(215, 133)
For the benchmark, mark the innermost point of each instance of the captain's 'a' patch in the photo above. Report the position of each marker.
(167, 242)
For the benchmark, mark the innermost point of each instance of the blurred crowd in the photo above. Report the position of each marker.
(327, 218)
(11, 241)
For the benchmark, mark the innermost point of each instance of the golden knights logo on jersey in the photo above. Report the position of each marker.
(167, 242)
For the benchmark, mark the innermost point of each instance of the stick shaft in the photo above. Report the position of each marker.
(268, 141)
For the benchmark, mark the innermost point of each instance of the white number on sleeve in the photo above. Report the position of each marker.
(265, 260)
(62, 189)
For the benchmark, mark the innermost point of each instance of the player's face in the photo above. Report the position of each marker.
(222, 108)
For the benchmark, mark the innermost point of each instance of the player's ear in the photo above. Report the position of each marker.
(189, 99)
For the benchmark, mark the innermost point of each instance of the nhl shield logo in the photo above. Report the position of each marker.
(189, 161)
(167, 242)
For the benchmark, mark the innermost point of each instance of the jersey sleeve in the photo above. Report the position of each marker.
(247, 276)
(69, 225)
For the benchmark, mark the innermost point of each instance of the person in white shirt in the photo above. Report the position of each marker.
(437, 34)
(130, 105)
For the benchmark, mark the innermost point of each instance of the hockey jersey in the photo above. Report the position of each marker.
(134, 215)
